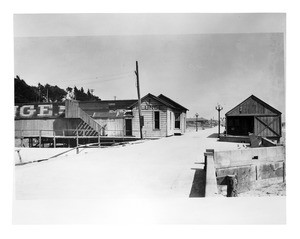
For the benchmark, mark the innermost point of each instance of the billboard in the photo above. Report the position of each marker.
(39, 110)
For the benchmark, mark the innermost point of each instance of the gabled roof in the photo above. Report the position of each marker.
(155, 98)
(172, 102)
(108, 115)
(104, 105)
(259, 101)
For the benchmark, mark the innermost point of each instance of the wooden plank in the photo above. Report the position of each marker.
(40, 139)
(267, 126)
(253, 105)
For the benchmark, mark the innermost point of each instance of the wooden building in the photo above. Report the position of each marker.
(114, 119)
(161, 115)
(254, 116)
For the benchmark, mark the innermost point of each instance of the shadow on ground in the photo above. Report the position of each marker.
(198, 187)
(214, 135)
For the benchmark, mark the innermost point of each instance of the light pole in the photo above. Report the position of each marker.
(196, 121)
(219, 108)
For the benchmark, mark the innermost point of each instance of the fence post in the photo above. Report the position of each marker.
(40, 138)
(77, 140)
(54, 139)
(99, 143)
(283, 171)
(18, 151)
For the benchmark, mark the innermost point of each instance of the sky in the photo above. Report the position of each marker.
(198, 60)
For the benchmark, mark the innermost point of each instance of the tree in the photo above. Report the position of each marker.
(70, 94)
(48, 93)
(76, 93)
(89, 95)
(23, 92)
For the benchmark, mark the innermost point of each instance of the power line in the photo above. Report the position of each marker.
(105, 78)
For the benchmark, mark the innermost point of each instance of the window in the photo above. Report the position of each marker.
(156, 120)
(177, 120)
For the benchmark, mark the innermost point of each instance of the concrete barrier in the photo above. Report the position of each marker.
(232, 158)
(211, 188)
(253, 168)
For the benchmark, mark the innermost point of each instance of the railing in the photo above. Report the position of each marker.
(37, 138)
(89, 120)
(74, 111)
(76, 132)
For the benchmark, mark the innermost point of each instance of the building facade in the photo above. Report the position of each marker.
(254, 116)
(161, 117)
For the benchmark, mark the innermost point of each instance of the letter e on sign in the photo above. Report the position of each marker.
(45, 110)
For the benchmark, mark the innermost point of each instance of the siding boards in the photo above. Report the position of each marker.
(113, 127)
(32, 127)
(148, 108)
(170, 122)
(264, 131)
(250, 106)
(266, 119)
(182, 122)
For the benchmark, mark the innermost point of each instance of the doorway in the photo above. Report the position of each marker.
(177, 120)
(128, 127)
(240, 125)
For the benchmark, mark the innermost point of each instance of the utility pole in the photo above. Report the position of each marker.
(139, 98)
(197, 121)
(219, 108)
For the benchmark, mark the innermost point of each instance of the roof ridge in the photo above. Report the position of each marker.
(256, 99)
(162, 95)
(156, 98)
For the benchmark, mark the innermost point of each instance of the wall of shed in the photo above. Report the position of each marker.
(148, 128)
(113, 127)
(31, 127)
(258, 128)
(183, 122)
(170, 122)
(274, 122)
(148, 113)
(250, 107)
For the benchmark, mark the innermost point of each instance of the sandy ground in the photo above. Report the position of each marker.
(140, 183)
(153, 168)
(272, 190)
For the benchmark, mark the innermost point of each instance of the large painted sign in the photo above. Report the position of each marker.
(41, 110)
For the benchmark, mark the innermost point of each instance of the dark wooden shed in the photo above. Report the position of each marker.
(254, 116)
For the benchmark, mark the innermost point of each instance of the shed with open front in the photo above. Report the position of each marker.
(254, 116)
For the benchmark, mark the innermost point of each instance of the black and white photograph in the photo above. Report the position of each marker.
(163, 118)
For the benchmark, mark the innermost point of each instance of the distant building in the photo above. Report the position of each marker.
(254, 116)
(191, 122)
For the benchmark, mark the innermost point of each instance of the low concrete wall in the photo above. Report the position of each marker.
(251, 176)
(254, 167)
(232, 158)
